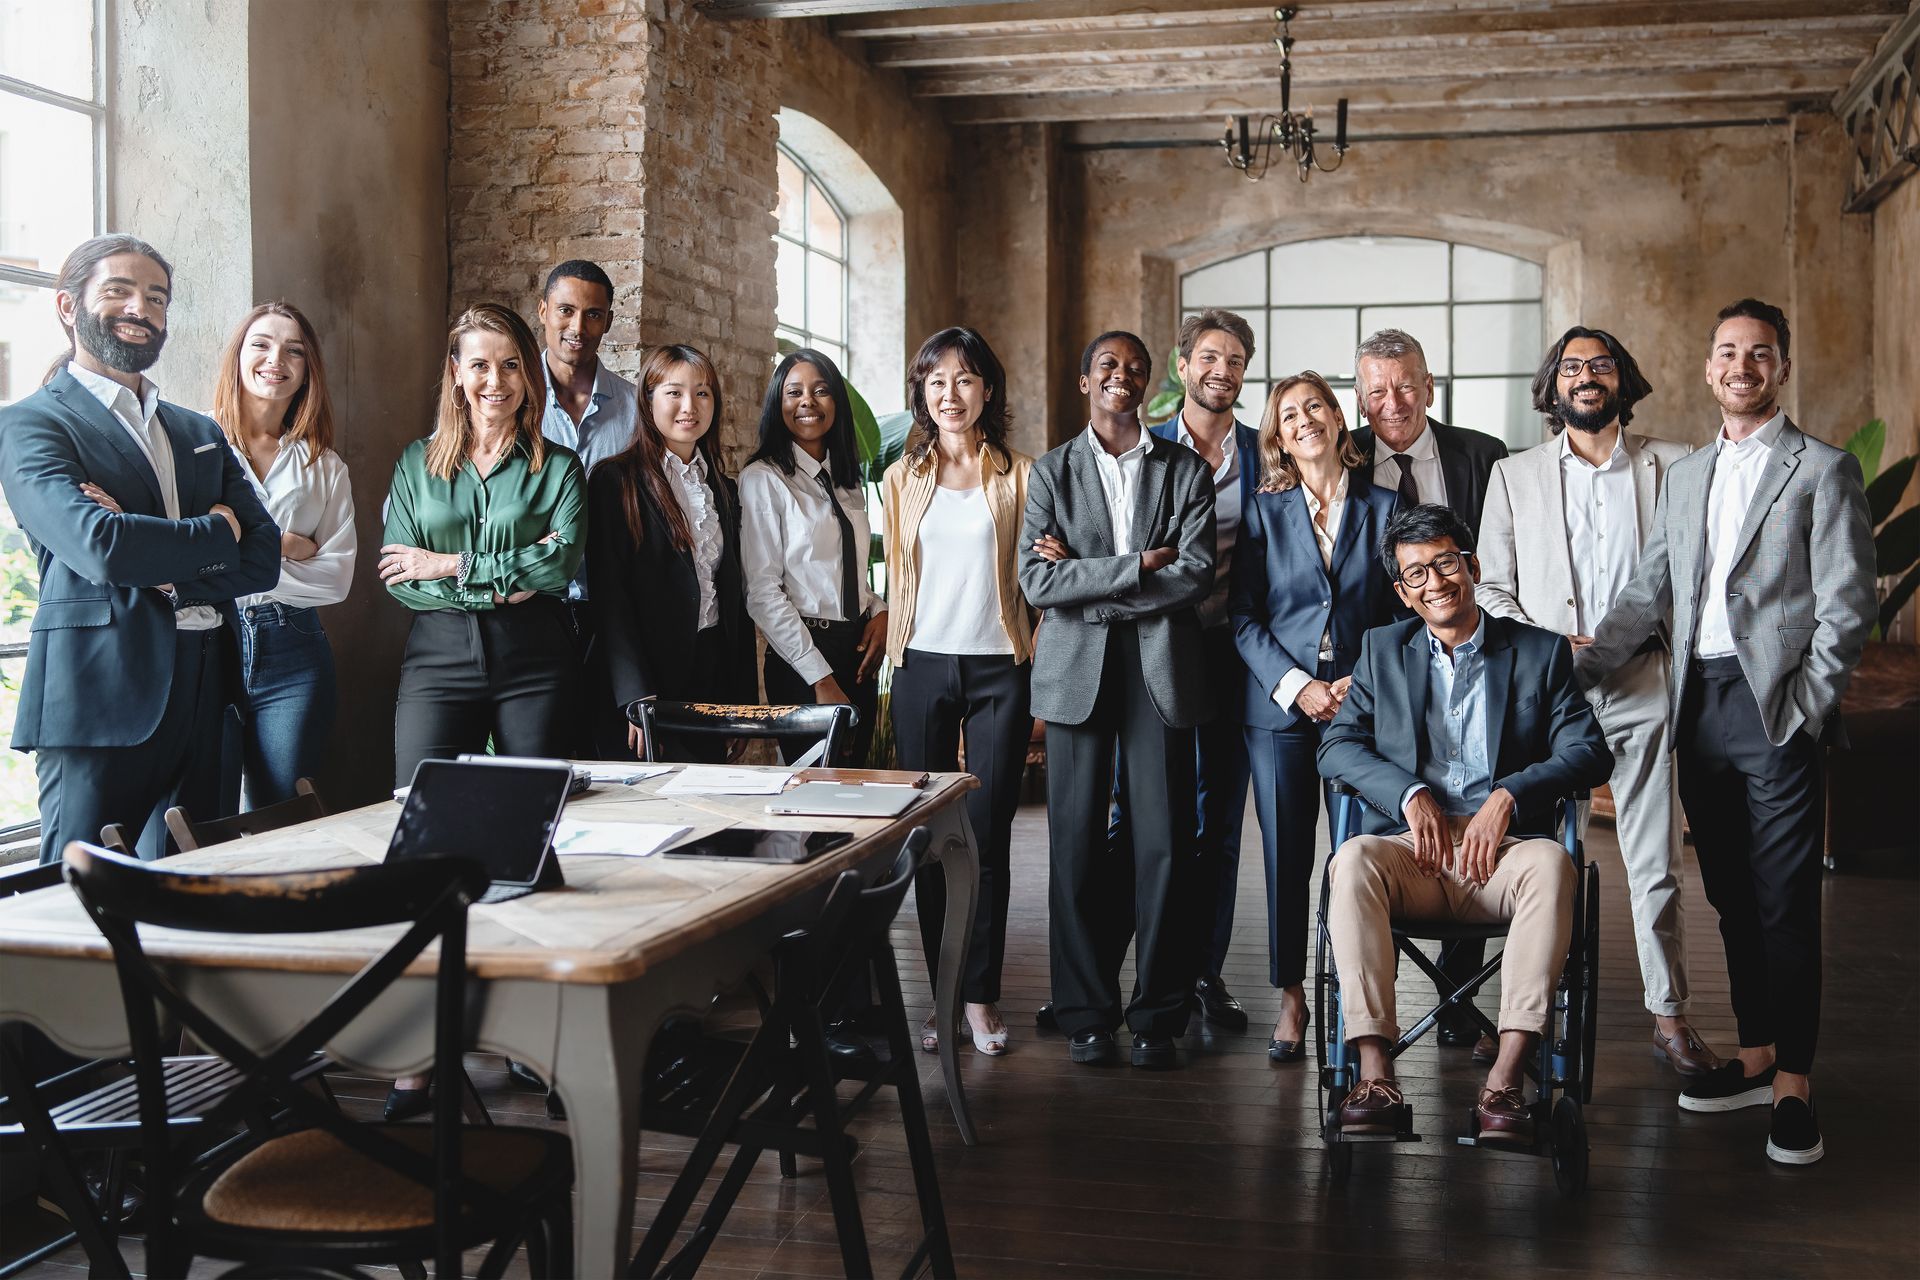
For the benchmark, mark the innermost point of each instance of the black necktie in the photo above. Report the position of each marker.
(1409, 491)
(849, 555)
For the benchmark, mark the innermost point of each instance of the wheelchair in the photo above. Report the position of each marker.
(1564, 1064)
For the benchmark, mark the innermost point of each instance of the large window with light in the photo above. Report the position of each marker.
(811, 254)
(52, 196)
(1476, 313)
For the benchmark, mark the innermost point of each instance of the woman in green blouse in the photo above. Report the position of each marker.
(486, 525)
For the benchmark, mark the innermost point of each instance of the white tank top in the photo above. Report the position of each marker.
(957, 606)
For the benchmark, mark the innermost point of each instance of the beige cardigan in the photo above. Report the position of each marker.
(906, 491)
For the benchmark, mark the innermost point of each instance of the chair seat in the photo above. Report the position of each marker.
(1449, 930)
(311, 1182)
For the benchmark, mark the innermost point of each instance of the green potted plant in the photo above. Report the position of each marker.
(1896, 538)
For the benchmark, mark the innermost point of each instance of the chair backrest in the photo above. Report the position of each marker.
(428, 895)
(114, 836)
(303, 806)
(855, 919)
(828, 720)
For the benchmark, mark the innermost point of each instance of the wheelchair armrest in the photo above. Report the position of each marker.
(1340, 788)
(1567, 814)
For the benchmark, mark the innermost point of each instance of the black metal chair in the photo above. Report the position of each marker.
(826, 720)
(761, 1094)
(303, 806)
(312, 1188)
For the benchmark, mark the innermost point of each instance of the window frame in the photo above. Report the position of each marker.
(1443, 383)
(804, 333)
(95, 109)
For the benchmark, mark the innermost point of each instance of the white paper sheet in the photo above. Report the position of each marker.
(614, 839)
(719, 780)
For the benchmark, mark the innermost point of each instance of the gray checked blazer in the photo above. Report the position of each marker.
(1800, 599)
(1081, 596)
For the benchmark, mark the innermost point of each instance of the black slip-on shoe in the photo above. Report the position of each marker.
(1728, 1088)
(1093, 1048)
(1154, 1053)
(1217, 1004)
(1043, 1018)
(1795, 1138)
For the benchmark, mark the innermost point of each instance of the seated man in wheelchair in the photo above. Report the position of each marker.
(1459, 733)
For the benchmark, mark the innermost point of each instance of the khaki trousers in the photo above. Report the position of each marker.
(1376, 881)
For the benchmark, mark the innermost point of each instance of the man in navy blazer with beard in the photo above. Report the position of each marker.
(145, 529)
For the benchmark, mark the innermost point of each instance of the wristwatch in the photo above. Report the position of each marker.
(173, 596)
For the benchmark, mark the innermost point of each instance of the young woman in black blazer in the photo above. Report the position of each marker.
(663, 557)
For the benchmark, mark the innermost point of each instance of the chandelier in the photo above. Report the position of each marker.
(1250, 150)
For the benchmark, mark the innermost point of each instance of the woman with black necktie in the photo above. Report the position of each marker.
(803, 550)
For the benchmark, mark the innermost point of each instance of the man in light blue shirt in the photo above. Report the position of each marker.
(590, 409)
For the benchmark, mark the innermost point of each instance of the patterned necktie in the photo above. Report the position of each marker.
(849, 555)
(1409, 491)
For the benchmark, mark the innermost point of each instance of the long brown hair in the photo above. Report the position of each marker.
(78, 269)
(1278, 471)
(309, 417)
(453, 426)
(643, 463)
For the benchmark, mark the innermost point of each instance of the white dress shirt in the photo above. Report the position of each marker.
(790, 556)
(1326, 531)
(1120, 482)
(1736, 474)
(314, 500)
(1226, 520)
(1603, 528)
(140, 415)
(957, 608)
(703, 517)
(607, 426)
(1425, 453)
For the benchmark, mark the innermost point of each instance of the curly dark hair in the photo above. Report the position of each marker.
(1634, 386)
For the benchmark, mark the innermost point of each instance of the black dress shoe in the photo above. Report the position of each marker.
(522, 1076)
(1093, 1048)
(847, 1045)
(95, 1173)
(1290, 1050)
(1217, 1004)
(1154, 1053)
(405, 1104)
(1043, 1018)
(1456, 1033)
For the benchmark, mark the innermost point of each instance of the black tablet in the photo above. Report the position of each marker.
(756, 844)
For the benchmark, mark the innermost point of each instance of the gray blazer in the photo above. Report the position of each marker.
(1800, 598)
(1526, 566)
(1174, 508)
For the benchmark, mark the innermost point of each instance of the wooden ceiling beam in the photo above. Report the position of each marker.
(1097, 134)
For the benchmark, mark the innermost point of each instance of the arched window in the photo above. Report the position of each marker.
(811, 248)
(1476, 313)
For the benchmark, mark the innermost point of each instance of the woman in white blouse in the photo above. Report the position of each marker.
(959, 634)
(803, 548)
(271, 400)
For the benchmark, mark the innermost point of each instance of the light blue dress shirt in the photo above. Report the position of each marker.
(606, 429)
(1455, 766)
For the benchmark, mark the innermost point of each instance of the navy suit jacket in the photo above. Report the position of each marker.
(100, 659)
(1543, 741)
(1284, 598)
(1466, 462)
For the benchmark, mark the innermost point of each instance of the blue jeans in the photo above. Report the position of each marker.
(278, 735)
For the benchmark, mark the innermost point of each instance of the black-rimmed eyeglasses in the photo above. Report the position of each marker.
(1570, 367)
(1446, 565)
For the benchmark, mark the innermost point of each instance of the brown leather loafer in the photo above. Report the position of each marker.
(1685, 1053)
(1372, 1107)
(1486, 1050)
(1504, 1116)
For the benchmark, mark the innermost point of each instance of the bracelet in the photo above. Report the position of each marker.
(466, 567)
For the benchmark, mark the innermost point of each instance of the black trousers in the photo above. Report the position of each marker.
(84, 788)
(937, 697)
(1758, 813)
(507, 673)
(1101, 895)
(836, 642)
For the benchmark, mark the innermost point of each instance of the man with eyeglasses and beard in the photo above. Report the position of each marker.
(146, 528)
(1586, 500)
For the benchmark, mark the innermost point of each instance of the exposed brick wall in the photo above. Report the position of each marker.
(639, 134)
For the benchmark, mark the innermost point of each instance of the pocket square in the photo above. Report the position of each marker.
(214, 444)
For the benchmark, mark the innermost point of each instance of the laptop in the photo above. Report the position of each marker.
(504, 815)
(839, 800)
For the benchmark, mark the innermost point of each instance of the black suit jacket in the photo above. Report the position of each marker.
(1466, 461)
(646, 600)
(1543, 741)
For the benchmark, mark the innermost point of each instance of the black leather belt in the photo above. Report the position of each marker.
(1652, 644)
(1721, 668)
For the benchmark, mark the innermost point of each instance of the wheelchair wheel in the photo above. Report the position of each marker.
(1590, 985)
(1339, 1154)
(1569, 1148)
(1323, 979)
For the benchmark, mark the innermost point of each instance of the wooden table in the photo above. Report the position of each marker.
(574, 982)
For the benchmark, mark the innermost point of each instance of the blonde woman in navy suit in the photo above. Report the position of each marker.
(1307, 584)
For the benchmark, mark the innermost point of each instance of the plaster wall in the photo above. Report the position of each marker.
(1645, 234)
(349, 189)
(1896, 322)
(177, 169)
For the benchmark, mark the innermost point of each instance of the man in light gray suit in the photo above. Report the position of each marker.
(1585, 501)
(1762, 554)
(1118, 549)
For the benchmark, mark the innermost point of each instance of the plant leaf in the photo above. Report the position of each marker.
(1883, 494)
(1164, 405)
(1897, 545)
(893, 430)
(1896, 598)
(866, 432)
(1866, 445)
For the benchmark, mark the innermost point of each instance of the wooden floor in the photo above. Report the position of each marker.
(1216, 1169)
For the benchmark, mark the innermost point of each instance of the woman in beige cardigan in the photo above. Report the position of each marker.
(959, 633)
